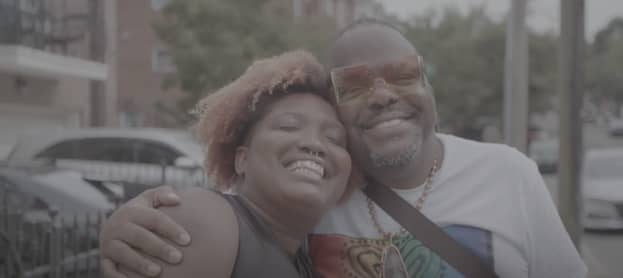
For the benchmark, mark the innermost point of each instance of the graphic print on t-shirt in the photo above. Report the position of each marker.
(342, 256)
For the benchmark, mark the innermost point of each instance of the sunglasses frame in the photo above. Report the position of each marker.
(334, 73)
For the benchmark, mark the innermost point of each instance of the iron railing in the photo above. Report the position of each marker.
(135, 177)
(38, 241)
(57, 26)
(51, 246)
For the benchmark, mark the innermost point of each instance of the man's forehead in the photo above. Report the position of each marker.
(374, 60)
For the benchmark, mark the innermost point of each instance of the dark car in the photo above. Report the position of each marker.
(545, 154)
(615, 128)
(49, 209)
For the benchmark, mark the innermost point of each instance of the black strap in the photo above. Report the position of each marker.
(431, 235)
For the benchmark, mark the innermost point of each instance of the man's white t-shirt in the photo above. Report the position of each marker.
(489, 197)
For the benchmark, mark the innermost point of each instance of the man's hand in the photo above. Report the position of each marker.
(137, 230)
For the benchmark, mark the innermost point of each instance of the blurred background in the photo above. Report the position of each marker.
(96, 95)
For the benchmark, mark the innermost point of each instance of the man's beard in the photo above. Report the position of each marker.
(394, 161)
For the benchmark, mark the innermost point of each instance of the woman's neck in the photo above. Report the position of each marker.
(289, 225)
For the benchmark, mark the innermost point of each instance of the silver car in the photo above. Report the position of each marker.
(44, 190)
(141, 157)
(603, 189)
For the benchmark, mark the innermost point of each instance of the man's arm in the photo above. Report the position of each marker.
(137, 230)
(212, 223)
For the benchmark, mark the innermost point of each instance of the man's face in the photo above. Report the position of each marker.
(388, 112)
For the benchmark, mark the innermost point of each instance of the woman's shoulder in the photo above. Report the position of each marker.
(203, 197)
(204, 210)
(213, 226)
(199, 206)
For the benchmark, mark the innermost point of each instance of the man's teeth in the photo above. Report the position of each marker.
(308, 168)
(390, 123)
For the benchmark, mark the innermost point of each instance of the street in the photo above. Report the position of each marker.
(602, 251)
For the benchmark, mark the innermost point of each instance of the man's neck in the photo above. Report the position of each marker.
(417, 171)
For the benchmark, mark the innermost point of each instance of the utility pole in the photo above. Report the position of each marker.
(96, 53)
(571, 86)
(110, 42)
(516, 78)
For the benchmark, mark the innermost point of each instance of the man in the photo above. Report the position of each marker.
(490, 198)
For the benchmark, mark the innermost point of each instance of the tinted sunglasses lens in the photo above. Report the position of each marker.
(351, 82)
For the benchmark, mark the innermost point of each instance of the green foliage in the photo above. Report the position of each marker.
(604, 70)
(465, 60)
(213, 41)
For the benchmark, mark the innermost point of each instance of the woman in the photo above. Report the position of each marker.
(275, 139)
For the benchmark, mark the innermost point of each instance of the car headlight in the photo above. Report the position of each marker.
(599, 209)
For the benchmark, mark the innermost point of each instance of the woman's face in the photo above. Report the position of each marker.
(296, 153)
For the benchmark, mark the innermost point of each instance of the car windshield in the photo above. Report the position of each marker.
(190, 144)
(605, 167)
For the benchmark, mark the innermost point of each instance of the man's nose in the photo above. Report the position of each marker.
(380, 95)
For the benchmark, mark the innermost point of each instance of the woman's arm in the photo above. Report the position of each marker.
(212, 224)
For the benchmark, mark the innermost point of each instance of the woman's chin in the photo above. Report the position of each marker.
(310, 198)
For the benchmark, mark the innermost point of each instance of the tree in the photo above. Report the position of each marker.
(465, 61)
(605, 65)
(213, 41)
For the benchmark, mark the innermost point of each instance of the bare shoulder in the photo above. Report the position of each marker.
(213, 227)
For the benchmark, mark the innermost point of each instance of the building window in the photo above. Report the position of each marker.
(157, 5)
(162, 60)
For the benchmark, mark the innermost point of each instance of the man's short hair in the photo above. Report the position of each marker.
(365, 21)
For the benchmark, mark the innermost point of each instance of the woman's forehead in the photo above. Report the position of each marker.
(300, 101)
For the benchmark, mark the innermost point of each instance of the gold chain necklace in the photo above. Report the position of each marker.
(419, 203)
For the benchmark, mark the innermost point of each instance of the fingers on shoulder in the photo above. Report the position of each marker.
(213, 225)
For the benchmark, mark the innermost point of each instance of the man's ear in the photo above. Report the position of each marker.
(240, 162)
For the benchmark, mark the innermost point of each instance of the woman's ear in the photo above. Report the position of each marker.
(240, 162)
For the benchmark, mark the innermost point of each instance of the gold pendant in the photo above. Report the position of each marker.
(393, 266)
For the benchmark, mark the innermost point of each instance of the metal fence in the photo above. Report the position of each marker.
(135, 177)
(136, 173)
(41, 241)
(44, 244)
(51, 25)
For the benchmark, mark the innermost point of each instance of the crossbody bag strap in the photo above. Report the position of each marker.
(423, 229)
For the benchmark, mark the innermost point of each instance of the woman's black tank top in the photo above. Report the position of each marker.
(259, 254)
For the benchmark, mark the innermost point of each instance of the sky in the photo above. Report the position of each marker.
(543, 15)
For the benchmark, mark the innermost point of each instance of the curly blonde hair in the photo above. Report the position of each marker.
(226, 115)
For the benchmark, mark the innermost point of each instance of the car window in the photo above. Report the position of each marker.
(106, 149)
(155, 153)
(63, 150)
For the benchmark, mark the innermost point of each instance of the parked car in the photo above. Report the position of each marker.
(43, 207)
(144, 156)
(62, 192)
(615, 127)
(603, 189)
(545, 153)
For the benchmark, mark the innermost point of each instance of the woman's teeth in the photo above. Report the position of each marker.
(307, 168)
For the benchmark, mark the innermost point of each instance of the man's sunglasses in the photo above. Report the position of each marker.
(354, 82)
